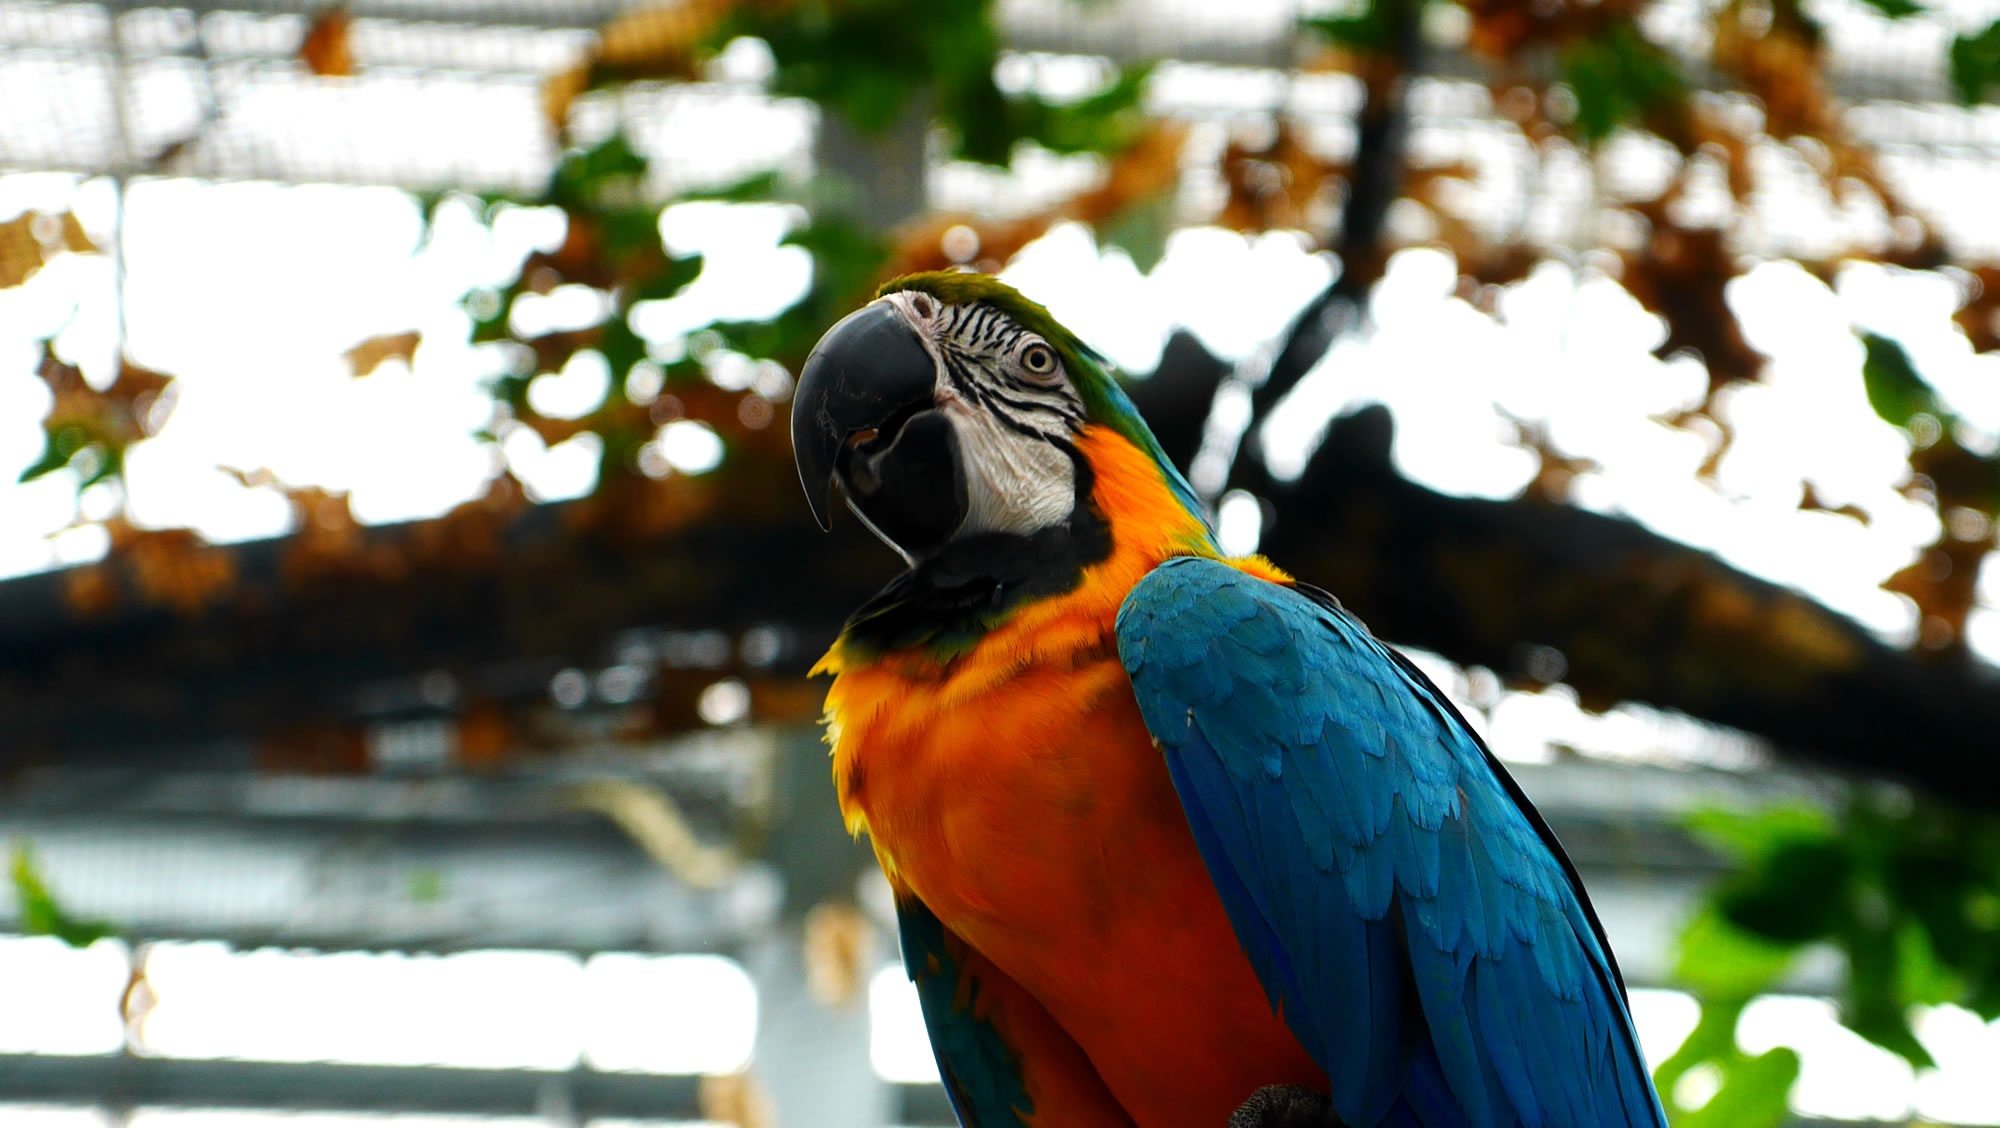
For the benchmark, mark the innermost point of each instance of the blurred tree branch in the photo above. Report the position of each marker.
(503, 602)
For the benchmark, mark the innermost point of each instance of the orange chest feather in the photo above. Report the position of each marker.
(984, 793)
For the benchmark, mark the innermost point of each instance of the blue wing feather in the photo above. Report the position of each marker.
(1400, 900)
(981, 1073)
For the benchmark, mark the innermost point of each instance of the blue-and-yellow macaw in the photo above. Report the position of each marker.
(1173, 838)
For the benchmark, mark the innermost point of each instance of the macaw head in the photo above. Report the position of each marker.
(951, 408)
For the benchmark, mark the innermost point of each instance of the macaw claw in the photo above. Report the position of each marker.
(1286, 1106)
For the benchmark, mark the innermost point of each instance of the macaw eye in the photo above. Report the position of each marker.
(923, 305)
(1039, 359)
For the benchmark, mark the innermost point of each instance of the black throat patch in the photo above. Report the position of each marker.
(945, 602)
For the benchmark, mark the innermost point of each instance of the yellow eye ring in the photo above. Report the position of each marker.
(1039, 359)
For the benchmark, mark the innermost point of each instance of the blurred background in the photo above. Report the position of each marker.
(406, 595)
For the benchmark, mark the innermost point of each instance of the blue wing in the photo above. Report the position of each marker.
(1402, 903)
(981, 1073)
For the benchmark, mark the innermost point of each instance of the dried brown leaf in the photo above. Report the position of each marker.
(31, 239)
(20, 250)
(485, 736)
(329, 544)
(1782, 65)
(1143, 172)
(661, 40)
(174, 568)
(325, 50)
(135, 405)
(1557, 471)
(737, 1099)
(839, 952)
(90, 590)
(74, 237)
(317, 748)
(1277, 185)
(251, 479)
(1942, 583)
(1980, 317)
(1811, 501)
(1681, 274)
(372, 353)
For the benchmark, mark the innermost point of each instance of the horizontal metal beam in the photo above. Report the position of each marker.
(573, 885)
(575, 1096)
(454, 861)
(1126, 31)
(698, 770)
(127, 1081)
(550, 15)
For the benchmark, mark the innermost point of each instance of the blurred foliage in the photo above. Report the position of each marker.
(1961, 484)
(1974, 62)
(1906, 890)
(88, 429)
(31, 239)
(1370, 31)
(41, 915)
(1618, 80)
(871, 61)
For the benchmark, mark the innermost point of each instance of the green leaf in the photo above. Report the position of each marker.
(40, 914)
(872, 100)
(1755, 1093)
(431, 201)
(1895, 390)
(1108, 121)
(612, 168)
(867, 61)
(1921, 978)
(490, 311)
(1975, 63)
(751, 189)
(1721, 961)
(1618, 78)
(984, 124)
(424, 886)
(1142, 231)
(1896, 9)
(1752, 1092)
(110, 464)
(870, 61)
(628, 231)
(1749, 836)
(1369, 31)
(1793, 896)
(1712, 1040)
(512, 390)
(622, 348)
(57, 450)
(1873, 1007)
(669, 280)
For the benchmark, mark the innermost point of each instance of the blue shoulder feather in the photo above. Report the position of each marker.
(1425, 938)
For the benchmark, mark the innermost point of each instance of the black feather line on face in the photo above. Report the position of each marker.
(984, 379)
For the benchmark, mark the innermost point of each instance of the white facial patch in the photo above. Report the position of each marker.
(1015, 482)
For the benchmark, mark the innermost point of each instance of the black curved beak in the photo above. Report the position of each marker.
(863, 413)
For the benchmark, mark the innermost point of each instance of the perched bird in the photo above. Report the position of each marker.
(1174, 840)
